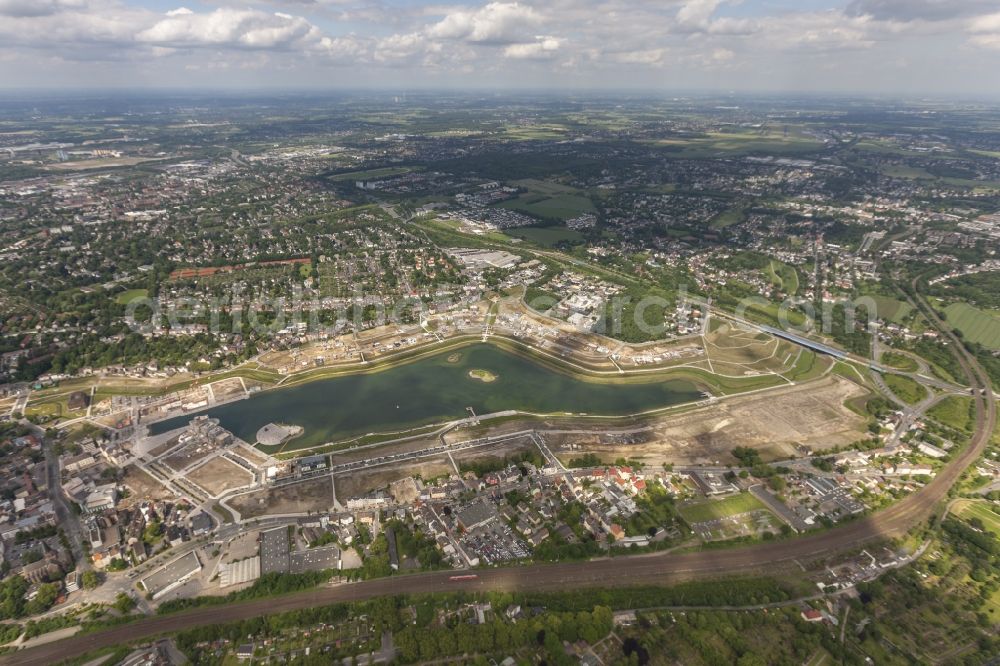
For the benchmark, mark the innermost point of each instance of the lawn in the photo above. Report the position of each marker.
(906, 389)
(899, 361)
(980, 326)
(715, 509)
(130, 295)
(728, 218)
(783, 276)
(954, 411)
(808, 365)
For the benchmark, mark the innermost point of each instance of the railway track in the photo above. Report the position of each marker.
(652, 569)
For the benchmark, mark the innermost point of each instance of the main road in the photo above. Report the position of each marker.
(623, 571)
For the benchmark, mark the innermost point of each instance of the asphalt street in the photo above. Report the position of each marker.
(652, 569)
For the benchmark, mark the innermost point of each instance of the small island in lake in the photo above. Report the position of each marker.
(484, 376)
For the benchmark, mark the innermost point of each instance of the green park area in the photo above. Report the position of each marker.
(130, 295)
(783, 276)
(728, 218)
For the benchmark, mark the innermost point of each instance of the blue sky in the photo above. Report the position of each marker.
(932, 47)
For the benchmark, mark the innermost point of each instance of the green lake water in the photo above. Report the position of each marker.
(433, 390)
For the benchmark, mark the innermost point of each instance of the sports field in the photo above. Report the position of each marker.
(715, 509)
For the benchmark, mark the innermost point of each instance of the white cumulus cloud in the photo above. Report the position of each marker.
(246, 28)
(542, 48)
(495, 23)
(986, 31)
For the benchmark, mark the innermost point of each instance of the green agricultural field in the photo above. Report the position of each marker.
(906, 389)
(728, 144)
(980, 326)
(884, 148)
(548, 199)
(372, 173)
(890, 309)
(548, 187)
(714, 509)
(901, 171)
(770, 314)
(968, 509)
(535, 133)
(561, 206)
(987, 153)
(545, 236)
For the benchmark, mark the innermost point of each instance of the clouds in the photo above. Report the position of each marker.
(237, 28)
(542, 48)
(985, 31)
(697, 13)
(919, 10)
(576, 42)
(495, 23)
(29, 8)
